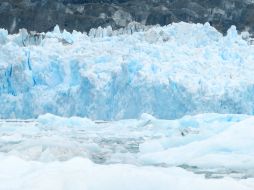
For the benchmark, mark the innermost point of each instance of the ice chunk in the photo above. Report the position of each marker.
(58, 151)
(52, 120)
(3, 36)
(189, 140)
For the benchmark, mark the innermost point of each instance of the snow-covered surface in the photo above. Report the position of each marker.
(207, 151)
(164, 71)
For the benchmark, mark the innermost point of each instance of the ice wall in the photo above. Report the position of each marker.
(164, 71)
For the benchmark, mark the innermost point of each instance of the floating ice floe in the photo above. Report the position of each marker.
(207, 151)
(207, 141)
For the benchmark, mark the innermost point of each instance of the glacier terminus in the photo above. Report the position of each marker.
(141, 107)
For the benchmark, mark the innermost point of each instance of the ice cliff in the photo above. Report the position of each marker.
(164, 71)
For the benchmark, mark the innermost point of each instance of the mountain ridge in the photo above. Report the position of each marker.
(82, 15)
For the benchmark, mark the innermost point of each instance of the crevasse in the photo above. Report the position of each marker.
(164, 71)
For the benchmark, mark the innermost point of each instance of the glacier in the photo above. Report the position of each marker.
(167, 72)
(144, 107)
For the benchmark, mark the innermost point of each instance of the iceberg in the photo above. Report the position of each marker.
(167, 72)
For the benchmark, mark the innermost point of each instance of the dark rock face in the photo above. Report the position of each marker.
(82, 15)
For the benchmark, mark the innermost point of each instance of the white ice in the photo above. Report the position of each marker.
(101, 84)
(207, 151)
(81, 174)
(208, 141)
(164, 71)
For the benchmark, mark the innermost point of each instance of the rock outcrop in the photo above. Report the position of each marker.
(82, 15)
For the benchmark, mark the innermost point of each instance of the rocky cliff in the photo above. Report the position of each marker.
(82, 15)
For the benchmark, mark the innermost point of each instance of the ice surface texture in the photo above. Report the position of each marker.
(210, 141)
(53, 152)
(81, 174)
(164, 71)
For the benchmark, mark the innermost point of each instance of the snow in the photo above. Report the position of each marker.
(166, 71)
